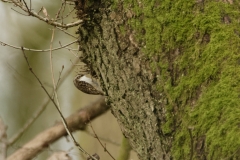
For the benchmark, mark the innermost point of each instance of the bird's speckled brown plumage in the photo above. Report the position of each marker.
(85, 86)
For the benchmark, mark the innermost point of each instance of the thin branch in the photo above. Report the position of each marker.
(59, 78)
(103, 139)
(67, 32)
(66, 15)
(62, 8)
(59, 111)
(52, 72)
(30, 121)
(37, 50)
(29, 11)
(104, 147)
(59, 11)
(71, 50)
(76, 121)
(47, 20)
(19, 12)
(56, 24)
(39, 111)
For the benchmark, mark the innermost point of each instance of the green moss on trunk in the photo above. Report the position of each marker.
(198, 48)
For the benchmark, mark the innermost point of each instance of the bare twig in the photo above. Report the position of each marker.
(76, 121)
(59, 78)
(56, 24)
(39, 111)
(104, 147)
(52, 72)
(70, 50)
(59, 11)
(19, 12)
(103, 139)
(29, 11)
(55, 104)
(67, 32)
(37, 50)
(66, 15)
(57, 101)
(52, 22)
(30, 121)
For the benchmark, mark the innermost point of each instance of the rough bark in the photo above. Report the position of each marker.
(127, 81)
(155, 73)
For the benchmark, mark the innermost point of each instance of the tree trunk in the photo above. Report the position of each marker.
(170, 73)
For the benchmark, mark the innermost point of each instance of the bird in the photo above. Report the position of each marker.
(87, 85)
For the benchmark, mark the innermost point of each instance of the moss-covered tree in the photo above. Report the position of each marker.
(170, 70)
